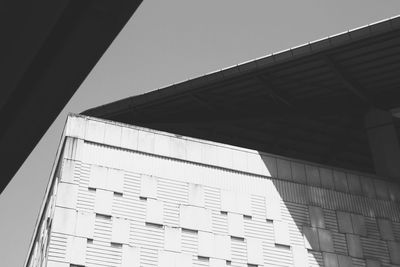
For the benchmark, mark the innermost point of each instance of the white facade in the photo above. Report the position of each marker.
(128, 196)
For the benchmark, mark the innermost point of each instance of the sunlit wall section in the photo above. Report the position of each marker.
(130, 196)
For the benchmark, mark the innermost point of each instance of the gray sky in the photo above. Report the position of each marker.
(166, 42)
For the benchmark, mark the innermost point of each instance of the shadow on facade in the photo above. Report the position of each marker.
(333, 214)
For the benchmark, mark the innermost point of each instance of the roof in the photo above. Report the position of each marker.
(307, 102)
(47, 50)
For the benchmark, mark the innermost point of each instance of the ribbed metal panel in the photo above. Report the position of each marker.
(101, 253)
(171, 214)
(77, 172)
(146, 235)
(277, 256)
(358, 262)
(330, 220)
(200, 261)
(85, 201)
(172, 191)
(372, 228)
(126, 207)
(315, 259)
(102, 229)
(212, 198)
(148, 257)
(258, 228)
(376, 249)
(296, 215)
(189, 242)
(339, 243)
(238, 252)
(258, 207)
(219, 222)
(58, 247)
(129, 205)
(396, 230)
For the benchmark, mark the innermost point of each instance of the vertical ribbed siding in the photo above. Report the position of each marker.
(101, 253)
(258, 207)
(172, 191)
(102, 229)
(129, 208)
(396, 230)
(146, 235)
(258, 228)
(375, 249)
(77, 172)
(219, 222)
(372, 228)
(84, 175)
(171, 214)
(131, 184)
(212, 198)
(129, 205)
(330, 220)
(58, 247)
(339, 243)
(315, 258)
(358, 262)
(277, 255)
(298, 212)
(199, 261)
(148, 257)
(85, 201)
(296, 215)
(189, 241)
(238, 252)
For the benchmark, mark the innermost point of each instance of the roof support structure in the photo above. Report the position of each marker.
(292, 103)
(272, 92)
(348, 82)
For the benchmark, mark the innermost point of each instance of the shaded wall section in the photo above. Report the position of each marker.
(128, 195)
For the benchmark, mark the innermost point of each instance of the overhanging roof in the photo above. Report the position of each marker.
(47, 49)
(307, 102)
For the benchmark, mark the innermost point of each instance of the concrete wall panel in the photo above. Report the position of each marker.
(85, 224)
(130, 256)
(120, 231)
(148, 187)
(254, 251)
(103, 202)
(67, 195)
(154, 211)
(235, 224)
(172, 239)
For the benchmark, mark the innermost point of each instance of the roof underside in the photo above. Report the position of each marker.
(308, 102)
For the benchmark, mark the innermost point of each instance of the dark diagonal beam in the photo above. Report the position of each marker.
(269, 89)
(350, 84)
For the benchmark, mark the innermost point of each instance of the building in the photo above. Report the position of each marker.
(47, 45)
(199, 189)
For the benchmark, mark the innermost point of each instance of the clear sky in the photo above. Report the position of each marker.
(166, 42)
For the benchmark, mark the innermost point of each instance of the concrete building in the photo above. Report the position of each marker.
(199, 189)
(47, 45)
